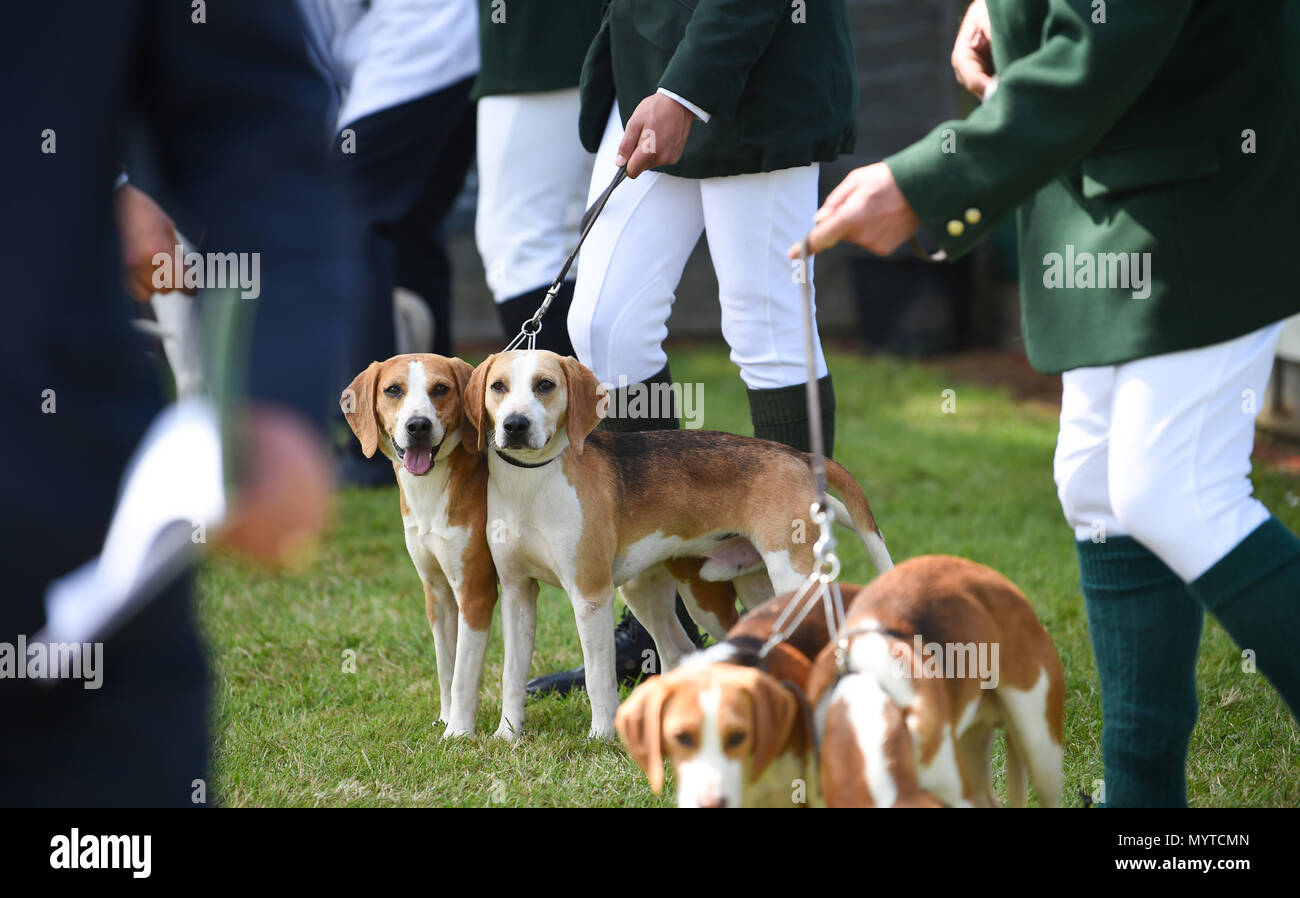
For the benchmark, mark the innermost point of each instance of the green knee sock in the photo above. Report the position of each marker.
(781, 415)
(1254, 591)
(1145, 630)
(631, 408)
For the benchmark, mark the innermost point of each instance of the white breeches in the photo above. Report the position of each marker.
(1159, 449)
(633, 259)
(532, 180)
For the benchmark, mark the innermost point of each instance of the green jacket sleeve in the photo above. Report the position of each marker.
(1050, 108)
(722, 42)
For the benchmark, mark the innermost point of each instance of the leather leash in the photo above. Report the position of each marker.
(533, 326)
(822, 584)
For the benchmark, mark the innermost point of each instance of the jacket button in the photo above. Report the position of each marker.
(973, 216)
(956, 228)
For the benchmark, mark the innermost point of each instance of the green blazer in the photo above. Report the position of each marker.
(1170, 131)
(530, 46)
(777, 79)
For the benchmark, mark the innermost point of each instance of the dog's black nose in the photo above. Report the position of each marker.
(419, 428)
(515, 425)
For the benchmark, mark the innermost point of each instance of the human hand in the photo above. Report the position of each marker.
(284, 492)
(144, 230)
(655, 135)
(972, 52)
(867, 208)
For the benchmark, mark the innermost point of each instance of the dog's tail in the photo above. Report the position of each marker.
(857, 516)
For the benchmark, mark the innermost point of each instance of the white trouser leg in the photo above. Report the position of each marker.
(1159, 449)
(751, 220)
(532, 179)
(1182, 429)
(1082, 455)
(631, 263)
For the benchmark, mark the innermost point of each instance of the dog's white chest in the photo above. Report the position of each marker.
(431, 538)
(782, 785)
(534, 523)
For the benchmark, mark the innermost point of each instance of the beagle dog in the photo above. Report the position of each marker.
(735, 735)
(734, 723)
(590, 511)
(410, 409)
(936, 655)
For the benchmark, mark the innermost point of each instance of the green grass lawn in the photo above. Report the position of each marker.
(292, 728)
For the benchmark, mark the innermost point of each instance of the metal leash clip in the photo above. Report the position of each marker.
(533, 326)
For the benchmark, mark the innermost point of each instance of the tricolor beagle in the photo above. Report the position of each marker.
(733, 723)
(937, 653)
(410, 409)
(591, 511)
(736, 736)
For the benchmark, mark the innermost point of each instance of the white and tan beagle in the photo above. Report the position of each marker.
(937, 654)
(733, 723)
(410, 409)
(736, 736)
(591, 511)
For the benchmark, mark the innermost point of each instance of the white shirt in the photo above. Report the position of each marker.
(386, 52)
(691, 107)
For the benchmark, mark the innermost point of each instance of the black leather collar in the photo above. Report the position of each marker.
(522, 464)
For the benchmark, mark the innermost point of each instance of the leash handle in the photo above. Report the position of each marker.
(533, 326)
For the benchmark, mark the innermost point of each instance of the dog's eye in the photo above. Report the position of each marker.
(498, 387)
(735, 738)
(439, 390)
(685, 739)
(393, 390)
(545, 386)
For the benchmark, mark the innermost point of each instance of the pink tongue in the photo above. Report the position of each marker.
(418, 459)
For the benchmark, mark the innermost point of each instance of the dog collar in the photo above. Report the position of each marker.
(521, 464)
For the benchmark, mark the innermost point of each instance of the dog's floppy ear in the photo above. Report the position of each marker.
(472, 400)
(463, 371)
(640, 725)
(775, 709)
(824, 673)
(785, 662)
(587, 401)
(358, 404)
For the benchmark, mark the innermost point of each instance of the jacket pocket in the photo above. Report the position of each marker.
(1111, 173)
(662, 22)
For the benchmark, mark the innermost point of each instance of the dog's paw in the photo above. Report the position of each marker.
(506, 731)
(458, 732)
(601, 734)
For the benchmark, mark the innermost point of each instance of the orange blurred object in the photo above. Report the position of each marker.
(283, 500)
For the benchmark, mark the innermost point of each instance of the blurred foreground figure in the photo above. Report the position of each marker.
(227, 107)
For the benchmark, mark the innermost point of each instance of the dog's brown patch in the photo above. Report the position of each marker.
(716, 598)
